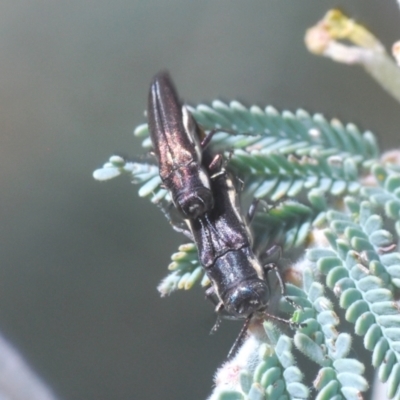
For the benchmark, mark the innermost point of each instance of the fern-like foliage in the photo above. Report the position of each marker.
(264, 366)
(329, 193)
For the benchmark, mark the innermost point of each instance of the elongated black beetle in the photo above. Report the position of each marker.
(224, 246)
(239, 282)
(176, 142)
(205, 196)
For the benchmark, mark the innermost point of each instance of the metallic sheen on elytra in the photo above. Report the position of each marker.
(176, 142)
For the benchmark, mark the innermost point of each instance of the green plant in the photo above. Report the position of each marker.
(336, 214)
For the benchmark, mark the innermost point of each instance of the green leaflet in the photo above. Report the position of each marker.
(328, 193)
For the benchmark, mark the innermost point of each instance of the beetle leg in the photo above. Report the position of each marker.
(216, 325)
(206, 141)
(216, 165)
(210, 291)
(253, 208)
(219, 163)
(175, 226)
(273, 267)
(292, 324)
(275, 248)
(219, 308)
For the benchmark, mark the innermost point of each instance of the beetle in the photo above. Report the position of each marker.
(175, 136)
(239, 282)
(225, 251)
(204, 194)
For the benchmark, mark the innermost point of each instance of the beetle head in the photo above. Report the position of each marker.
(247, 298)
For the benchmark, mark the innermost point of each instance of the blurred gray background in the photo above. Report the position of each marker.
(80, 260)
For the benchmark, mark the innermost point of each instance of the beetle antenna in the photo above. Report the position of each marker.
(242, 334)
(292, 324)
(240, 338)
